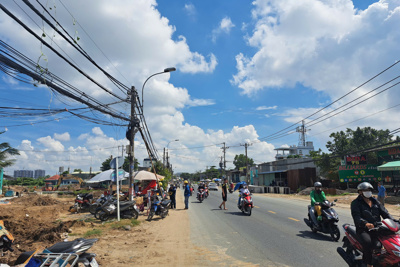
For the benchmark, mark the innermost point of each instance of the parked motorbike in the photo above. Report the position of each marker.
(246, 203)
(387, 247)
(78, 246)
(328, 223)
(200, 195)
(159, 206)
(82, 202)
(99, 202)
(127, 210)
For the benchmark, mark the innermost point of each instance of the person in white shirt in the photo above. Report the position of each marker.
(243, 189)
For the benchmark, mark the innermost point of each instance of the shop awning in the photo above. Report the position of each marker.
(272, 172)
(390, 166)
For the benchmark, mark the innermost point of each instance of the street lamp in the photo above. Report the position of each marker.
(176, 140)
(130, 134)
(165, 71)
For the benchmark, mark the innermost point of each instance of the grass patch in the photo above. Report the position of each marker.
(94, 232)
(122, 223)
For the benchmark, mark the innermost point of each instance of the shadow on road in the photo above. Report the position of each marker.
(315, 236)
(237, 213)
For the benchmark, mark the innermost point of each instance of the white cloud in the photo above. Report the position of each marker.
(266, 108)
(190, 9)
(224, 26)
(51, 143)
(62, 137)
(324, 45)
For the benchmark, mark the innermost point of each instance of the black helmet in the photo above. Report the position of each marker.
(365, 186)
(317, 184)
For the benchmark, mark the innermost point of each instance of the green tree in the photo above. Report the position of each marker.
(78, 170)
(106, 164)
(5, 151)
(240, 161)
(161, 170)
(345, 143)
(212, 172)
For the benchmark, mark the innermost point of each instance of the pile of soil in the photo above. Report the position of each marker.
(35, 223)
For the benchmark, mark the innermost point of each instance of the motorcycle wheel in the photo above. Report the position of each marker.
(200, 199)
(103, 216)
(151, 214)
(335, 233)
(97, 213)
(134, 214)
(248, 210)
(164, 214)
(93, 208)
(313, 229)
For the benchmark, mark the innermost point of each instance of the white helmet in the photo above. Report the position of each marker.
(365, 186)
(317, 184)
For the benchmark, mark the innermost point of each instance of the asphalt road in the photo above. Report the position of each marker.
(274, 235)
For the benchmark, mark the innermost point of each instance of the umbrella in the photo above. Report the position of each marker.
(208, 180)
(238, 185)
(108, 175)
(145, 175)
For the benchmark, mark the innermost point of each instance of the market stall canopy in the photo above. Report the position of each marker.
(390, 166)
(145, 175)
(108, 175)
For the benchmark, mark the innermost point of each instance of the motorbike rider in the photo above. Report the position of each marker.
(201, 186)
(366, 212)
(242, 189)
(317, 196)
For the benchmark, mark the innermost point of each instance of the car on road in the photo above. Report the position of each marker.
(212, 186)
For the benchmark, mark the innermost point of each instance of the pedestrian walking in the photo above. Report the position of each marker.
(381, 193)
(186, 194)
(172, 194)
(224, 194)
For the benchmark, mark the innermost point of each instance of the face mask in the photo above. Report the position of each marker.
(318, 190)
(367, 194)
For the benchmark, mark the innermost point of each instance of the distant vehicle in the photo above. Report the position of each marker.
(212, 186)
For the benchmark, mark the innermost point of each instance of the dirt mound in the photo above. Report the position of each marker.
(35, 200)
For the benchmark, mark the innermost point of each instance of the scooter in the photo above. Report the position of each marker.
(158, 207)
(246, 203)
(99, 202)
(206, 192)
(387, 247)
(82, 202)
(329, 220)
(200, 195)
(127, 210)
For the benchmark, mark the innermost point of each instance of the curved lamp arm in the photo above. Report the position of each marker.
(165, 71)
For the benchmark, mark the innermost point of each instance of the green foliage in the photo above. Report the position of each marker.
(293, 156)
(124, 222)
(106, 164)
(5, 152)
(240, 161)
(161, 170)
(212, 172)
(24, 181)
(78, 170)
(344, 143)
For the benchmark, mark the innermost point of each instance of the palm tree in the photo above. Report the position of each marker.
(5, 151)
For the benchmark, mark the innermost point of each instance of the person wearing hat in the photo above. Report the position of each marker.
(172, 194)
(186, 194)
(366, 212)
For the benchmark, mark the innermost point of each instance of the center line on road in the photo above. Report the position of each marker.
(293, 219)
(272, 211)
(257, 207)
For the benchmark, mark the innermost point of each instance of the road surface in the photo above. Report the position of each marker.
(274, 235)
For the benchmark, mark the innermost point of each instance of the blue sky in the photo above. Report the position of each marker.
(245, 70)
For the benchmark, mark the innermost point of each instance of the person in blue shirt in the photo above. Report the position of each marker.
(186, 194)
(381, 194)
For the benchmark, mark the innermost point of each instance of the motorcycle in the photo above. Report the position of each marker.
(158, 207)
(206, 192)
(329, 220)
(387, 248)
(78, 246)
(99, 202)
(200, 195)
(82, 202)
(246, 203)
(127, 209)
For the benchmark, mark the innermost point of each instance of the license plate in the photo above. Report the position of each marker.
(93, 263)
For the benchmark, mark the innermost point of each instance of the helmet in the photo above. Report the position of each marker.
(185, 182)
(160, 184)
(365, 186)
(317, 184)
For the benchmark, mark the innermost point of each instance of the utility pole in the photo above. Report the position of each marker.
(246, 145)
(163, 159)
(224, 151)
(131, 136)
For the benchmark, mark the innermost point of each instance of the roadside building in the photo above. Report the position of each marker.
(23, 173)
(39, 173)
